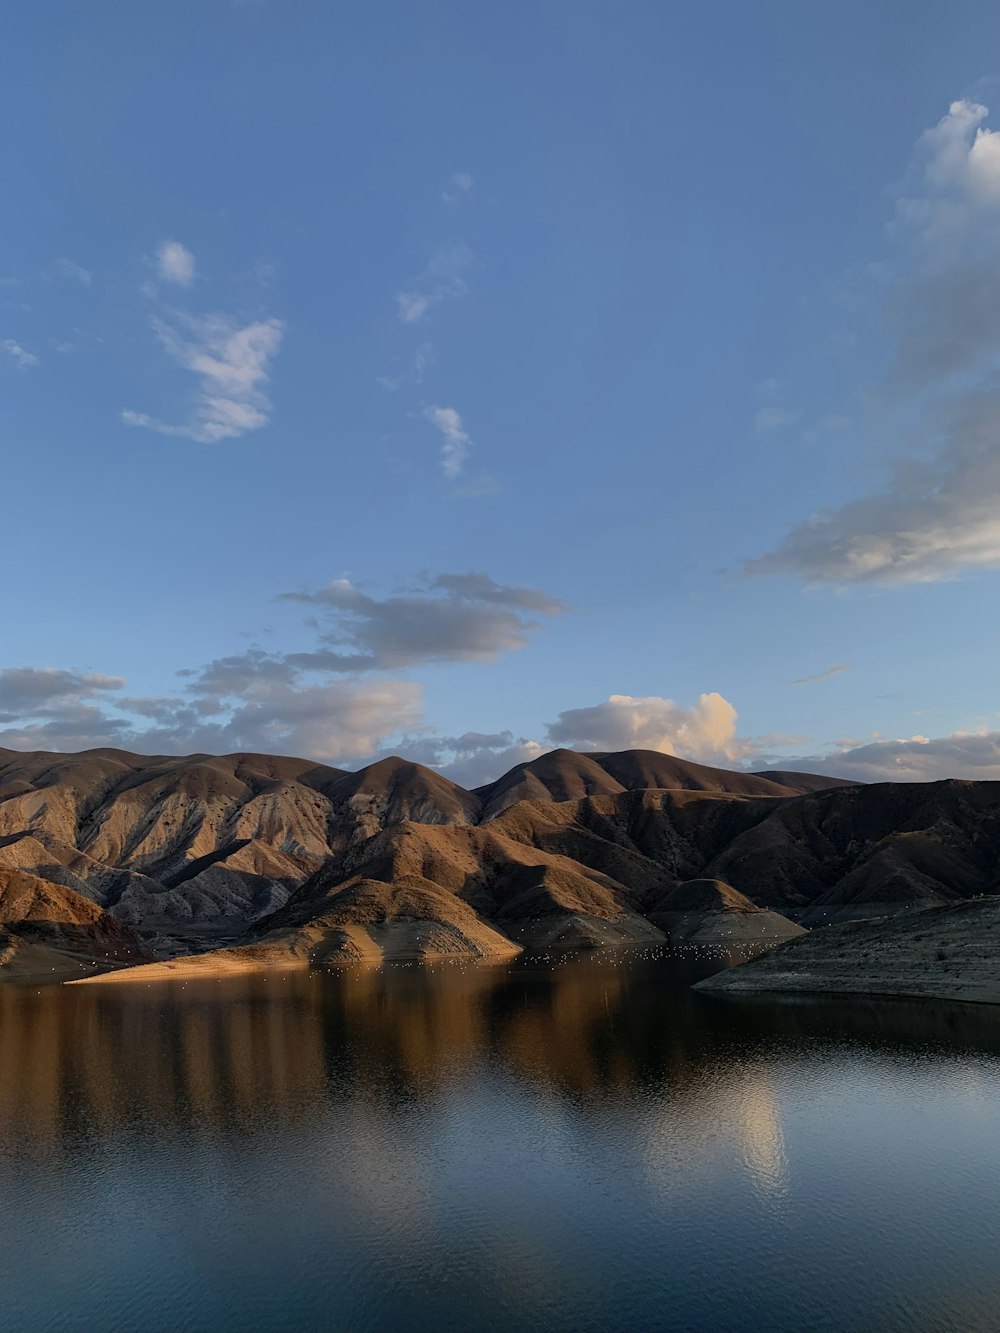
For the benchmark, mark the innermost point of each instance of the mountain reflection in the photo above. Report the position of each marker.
(255, 1052)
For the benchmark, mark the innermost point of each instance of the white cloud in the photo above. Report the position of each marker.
(705, 732)
(455, 448)
(29, 688)
(232, 361)
(442, 279)
(938, 518)
(18, 356)
(457, 188)
(324, 703)
(413, 306)
(340, 722)
(53, 708)
(938, 514)
(175, 263)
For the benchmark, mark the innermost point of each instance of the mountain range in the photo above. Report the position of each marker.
(261, 858)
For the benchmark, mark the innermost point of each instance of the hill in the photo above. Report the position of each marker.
(49, 932)
(273, 859)
(209, 844)
(948, 953)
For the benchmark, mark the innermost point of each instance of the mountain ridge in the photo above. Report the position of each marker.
(265, 860)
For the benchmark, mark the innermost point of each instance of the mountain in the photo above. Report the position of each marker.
(47, 931)
(203, 844)
(268, 859)
(863, 851)
(803, 782)
(566, 775)
(200, 842)
(708, 911)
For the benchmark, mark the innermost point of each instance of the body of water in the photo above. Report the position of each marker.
(567, 1144)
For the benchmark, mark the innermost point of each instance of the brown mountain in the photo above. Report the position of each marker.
(206, 843)
(181, 844)
(708, 911)
(566, 775)
(47, 931)
(292, 860)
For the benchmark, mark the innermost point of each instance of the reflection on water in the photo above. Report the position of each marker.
(581, 1145)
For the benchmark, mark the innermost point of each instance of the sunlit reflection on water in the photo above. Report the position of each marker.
(579, 1145)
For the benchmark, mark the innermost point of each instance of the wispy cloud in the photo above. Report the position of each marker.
(458, 187)
(939, 513)
(442, 279)
(472, 759)
(963, 754)
(19, 356)
(175, 263)
(422, 360)
(66, 268)
(835, 670)
(232, 362)
(456, 440)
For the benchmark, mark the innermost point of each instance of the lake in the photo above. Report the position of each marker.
(550, 1144)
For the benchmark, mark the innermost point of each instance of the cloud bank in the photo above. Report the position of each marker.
(341, 702)
(706, 731)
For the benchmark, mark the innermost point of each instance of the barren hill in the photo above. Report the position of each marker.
(203, 842)
(47, 931)
(289, 859)
(946, 952)
(566, 775)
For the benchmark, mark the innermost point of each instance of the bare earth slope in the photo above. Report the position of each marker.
(707, 911)
(865, 851)
(177, 844)
(289, 860)
(203, 845)
(48, 931)
(950, 952)
(566, 775)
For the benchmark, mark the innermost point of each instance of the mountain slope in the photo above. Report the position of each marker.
(950, 952)
(203, 845)
(47, 930)
(566, 775)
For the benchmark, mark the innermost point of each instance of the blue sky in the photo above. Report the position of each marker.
(673, 325)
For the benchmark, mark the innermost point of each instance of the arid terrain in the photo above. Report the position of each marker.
(109, 859)
(946, 953)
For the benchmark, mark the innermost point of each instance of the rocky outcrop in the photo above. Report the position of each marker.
(948, 953)
(710, 912)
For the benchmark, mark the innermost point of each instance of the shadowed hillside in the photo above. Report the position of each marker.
(286, 860)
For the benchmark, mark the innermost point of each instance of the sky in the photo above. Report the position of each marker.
(460, 381)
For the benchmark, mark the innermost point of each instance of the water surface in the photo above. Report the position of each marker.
(576, 1145)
